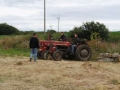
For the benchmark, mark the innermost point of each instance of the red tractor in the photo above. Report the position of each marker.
(59, 50)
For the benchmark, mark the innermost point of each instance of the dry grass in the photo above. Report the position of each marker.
(17, 73)
(18, 41)
(103, 47)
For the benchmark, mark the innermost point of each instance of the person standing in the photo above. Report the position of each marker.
(75, 43)
(34, 45)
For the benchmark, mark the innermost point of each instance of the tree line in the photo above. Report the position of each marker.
(88, 30)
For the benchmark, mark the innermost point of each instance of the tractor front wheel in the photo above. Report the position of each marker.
(43, 55)
(39, 55)
(57, 56)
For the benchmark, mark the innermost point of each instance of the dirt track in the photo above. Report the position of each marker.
(17, 73)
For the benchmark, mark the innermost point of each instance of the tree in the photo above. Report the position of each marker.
(6, 29)
(51, 31)
(89, 28)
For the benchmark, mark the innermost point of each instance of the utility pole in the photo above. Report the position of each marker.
(58, 22)
(44, 16)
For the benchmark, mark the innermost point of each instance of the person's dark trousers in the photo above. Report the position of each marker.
(73, 48)
(33, 53)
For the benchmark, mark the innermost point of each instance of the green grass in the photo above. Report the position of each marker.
(14, 45)
(13, 52)
(7, 36)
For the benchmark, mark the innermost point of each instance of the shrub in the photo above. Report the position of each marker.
(19, 41)
(88, 28)
(6, 29)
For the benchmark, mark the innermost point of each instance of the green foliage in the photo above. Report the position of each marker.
(95, 36)
(114, 37)
(88, 28)
(51, 31)
(6, 29)
(75, 30)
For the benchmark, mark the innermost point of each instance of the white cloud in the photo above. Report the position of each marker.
(12, 11)
(29, 14)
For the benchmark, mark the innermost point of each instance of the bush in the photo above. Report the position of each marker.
(6, 29)
(19, 41)
(89, 28)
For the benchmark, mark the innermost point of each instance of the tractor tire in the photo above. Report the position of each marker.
(83, 52)
(43, 55)
(39, 55)
(57, 56)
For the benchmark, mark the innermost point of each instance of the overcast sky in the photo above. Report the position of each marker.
(29, 14)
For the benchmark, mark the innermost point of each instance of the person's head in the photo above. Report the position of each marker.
(75, 35)
(34, 34)
(62, 33)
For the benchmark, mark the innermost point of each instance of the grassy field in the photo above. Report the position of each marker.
(14, 52)
(19, 45)
(17, 73)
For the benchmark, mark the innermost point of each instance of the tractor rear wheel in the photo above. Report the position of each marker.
(43, 55)
(39, 55)
(83, 52)
(57, 56)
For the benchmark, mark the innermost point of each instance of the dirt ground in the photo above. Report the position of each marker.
(17, 73)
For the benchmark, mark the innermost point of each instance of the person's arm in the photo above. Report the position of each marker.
(38, 43)
(76, 41)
